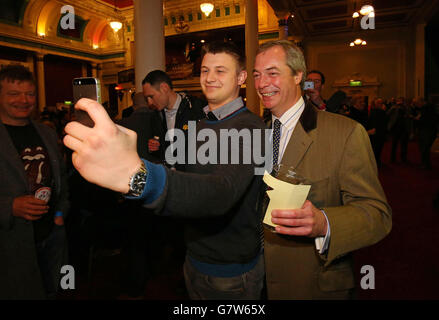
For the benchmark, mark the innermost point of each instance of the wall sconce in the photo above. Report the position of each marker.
(207, 8)
(116, 25)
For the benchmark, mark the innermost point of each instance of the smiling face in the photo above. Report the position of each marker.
(220, 79)
(277, 86)
(17, 101)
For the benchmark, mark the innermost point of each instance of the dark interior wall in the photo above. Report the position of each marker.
(59, 73)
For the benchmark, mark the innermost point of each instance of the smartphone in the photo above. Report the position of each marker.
(308, 85)
(85, 88)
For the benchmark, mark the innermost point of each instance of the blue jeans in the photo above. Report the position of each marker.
(247, 286)
(52, 255)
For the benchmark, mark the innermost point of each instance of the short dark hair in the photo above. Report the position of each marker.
(16, 72)
(320, 73)
(225, 47)
(156, 77)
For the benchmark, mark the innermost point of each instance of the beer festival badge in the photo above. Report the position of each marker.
(43, 193)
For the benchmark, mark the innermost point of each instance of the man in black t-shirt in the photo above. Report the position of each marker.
(33, 194)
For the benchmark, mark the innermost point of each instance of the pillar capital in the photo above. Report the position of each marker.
(39, 56)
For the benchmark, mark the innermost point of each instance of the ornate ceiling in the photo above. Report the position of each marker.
(320, 17)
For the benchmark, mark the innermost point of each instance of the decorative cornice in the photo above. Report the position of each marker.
(5, 41)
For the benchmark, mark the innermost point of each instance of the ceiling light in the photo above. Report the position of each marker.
(207, 8)
(358, 42)
(355, 15)
(366, 9)
(115, 25)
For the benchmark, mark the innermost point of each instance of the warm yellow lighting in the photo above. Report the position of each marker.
(207, 8)
(202, 41)
(372, 14)
(366, 9)
(363, 43)
(352, 44)
(358, 41)
(115, 25)
(355, 15)
(95, 46)
(41, 34)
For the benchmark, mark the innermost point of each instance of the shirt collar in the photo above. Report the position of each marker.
(292, 113)
(175, 107)
(227, 109)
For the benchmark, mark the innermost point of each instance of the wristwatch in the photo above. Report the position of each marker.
(137, 182)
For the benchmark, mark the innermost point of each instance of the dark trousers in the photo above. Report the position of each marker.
(426, 140)
(401, 137)
(377, 147)
(52, 255)
(247, 286)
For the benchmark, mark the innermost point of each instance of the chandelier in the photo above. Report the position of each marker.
(366, 10)
(207, 8)
(115, 25)
(358, 42)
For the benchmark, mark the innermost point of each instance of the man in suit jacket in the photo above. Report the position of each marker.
(309, 254)
(33, 194)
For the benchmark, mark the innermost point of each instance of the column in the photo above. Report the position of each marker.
(84, 69)
(251, 45)
(99, 72)
(420, 60)
(94, 70)
(283, 25)
(149, 37)
(41, 82)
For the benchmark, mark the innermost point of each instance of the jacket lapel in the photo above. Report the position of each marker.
(9, 152)
(297, 147)
(301, 138)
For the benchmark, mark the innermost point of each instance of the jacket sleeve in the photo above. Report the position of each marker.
(192, 195)
(62, 203)
(365, 216)
(6, 217)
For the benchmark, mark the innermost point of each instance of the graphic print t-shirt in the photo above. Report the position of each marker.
(33, 153)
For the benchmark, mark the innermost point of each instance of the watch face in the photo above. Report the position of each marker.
(138, 181)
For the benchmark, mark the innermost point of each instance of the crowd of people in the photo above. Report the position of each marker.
(210, 215)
